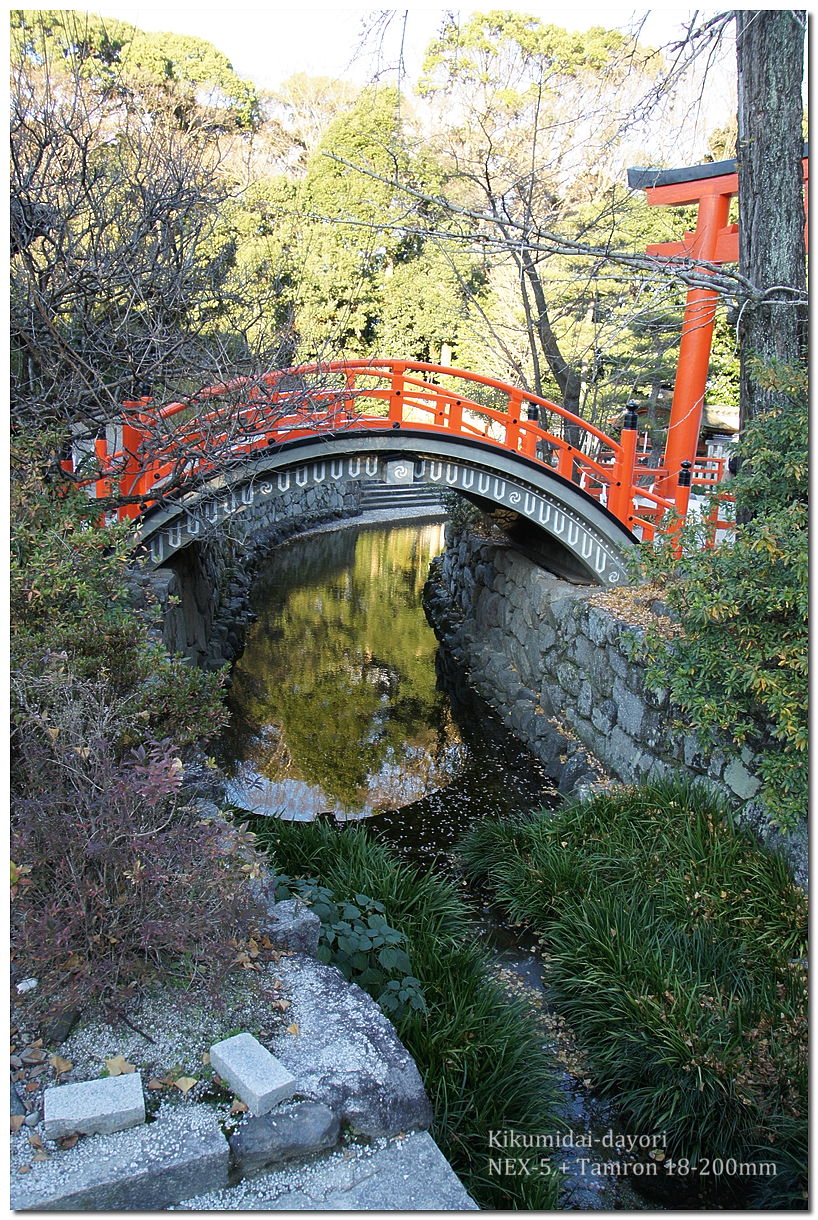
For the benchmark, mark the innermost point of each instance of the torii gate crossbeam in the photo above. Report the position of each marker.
(715, 241)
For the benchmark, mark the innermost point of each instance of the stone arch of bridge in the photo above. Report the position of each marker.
(546, 515)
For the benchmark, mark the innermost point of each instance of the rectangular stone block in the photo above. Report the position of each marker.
(255, 1075)
(94, 1107)
(144, 1169)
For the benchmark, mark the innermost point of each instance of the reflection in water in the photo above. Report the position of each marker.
(341, 705)
(335, 703)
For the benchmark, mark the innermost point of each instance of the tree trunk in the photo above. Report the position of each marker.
(566, 376)
(770, 55)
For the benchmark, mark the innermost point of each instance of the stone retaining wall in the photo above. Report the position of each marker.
(541, 651)
(202, 591)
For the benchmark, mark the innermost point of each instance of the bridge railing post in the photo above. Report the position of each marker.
(529, 441)
(682, 500)
(441, 405)
(565, 461)
(620, 492)
(102, 485)
(515, 407)
(348, 404)
(396, 395)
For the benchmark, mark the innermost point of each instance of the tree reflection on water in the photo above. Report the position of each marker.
(335, 703)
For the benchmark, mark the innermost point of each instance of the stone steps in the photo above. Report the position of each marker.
(384, 495)
(182, 1162)
(145, 1168)
(344, 1129)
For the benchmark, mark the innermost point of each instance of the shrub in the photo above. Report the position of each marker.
(356, 938)
(122, 887)
(737, 666)
(69, 601)
(674, 948)
(479, 1052)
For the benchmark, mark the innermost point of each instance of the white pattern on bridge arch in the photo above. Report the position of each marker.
(596, 554)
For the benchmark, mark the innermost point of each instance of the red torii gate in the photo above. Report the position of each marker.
(711, 186)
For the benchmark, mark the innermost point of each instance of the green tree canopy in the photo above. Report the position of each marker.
(187, 74)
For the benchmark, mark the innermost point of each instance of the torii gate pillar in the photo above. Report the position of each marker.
(714, 241)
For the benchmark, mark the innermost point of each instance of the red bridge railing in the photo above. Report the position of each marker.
(160, 449)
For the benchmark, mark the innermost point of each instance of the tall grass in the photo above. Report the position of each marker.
(674, 945)
(479, 1052)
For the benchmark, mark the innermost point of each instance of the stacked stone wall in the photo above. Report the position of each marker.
(202, 590)
(543, 652)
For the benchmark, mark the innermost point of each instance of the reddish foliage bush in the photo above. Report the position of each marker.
(125, 886)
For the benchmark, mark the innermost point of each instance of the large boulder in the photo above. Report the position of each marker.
(346, 1053)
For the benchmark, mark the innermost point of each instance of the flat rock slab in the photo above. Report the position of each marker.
(142, 1169)
(346, 1053)
(95, 1106)
(407, 1175)
(252, 1072)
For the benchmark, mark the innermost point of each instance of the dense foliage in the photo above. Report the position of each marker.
(674, 945)
(70, 602)
(479, 1051)
(118, 884)
(738, 664)
(357, 939)
(161, 70)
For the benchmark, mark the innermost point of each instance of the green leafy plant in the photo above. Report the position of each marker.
(737, 660)
(357, 939)
(72, 619)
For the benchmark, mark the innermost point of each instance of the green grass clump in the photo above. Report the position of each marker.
(479, 1053)
(674, 946)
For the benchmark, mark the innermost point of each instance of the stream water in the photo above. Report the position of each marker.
(345, 706)
(342, 703)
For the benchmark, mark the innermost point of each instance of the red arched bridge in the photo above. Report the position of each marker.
(187, 466)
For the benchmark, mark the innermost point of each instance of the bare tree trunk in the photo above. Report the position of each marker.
(567, 378)
(770, 53)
